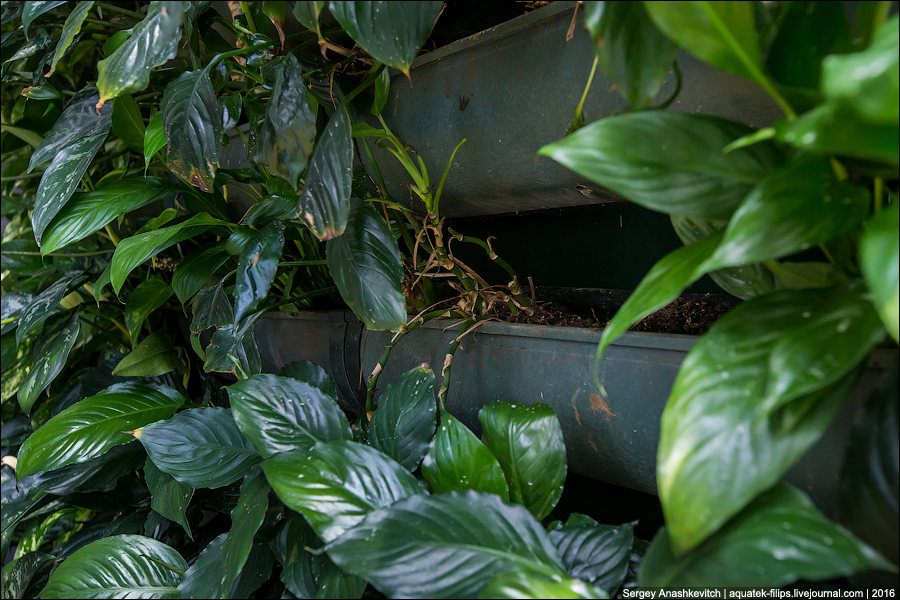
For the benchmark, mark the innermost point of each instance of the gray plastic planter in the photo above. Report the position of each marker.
(531, 363)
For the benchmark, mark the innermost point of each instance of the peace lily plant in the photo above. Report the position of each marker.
(130, 469)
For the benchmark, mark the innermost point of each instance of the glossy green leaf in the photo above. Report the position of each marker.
(146, 298)
(168, 497)
(128, 69)
(122, 566)
(280, 414)
(879, 250)
(34, 9)
(99, 474)
(246, 519)
(88, 212)
(94, 425)
(307, 13)
(288, 133)
(528, 442)
(71, 145)
(92, 532)
(668, 162)
(50, 354)
(271, 208)
(201, 447)
(324, 204)
(867, 83)
(18, 575)
(870, 483)
(336, 484)
(20, 257)
(365, 264)
(154, 355)
(154, 140)
(774, 220)
(720, 444)
(458, 461)
(595, 553)
(196, 269)
(404, 423)
(234, 350)
(211, 309)
(192, 124)
(523, 584)
(127, 122)
(43, 306)
(777, 539)
(231, 110)
(38, 40)
(445, 546)
(203, 579)
(661, 285)
(133, 251)
(10, 10)
(70, 30)
(634, 55)
(720, 33)
(392, 32)
(241, 238)
(312, 374)
(31, 138)
(256, 269)
(382, 91)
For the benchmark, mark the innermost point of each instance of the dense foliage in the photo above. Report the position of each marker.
(136, 463)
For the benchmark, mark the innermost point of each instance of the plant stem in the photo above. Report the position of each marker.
(251, 24)
(24, 176)
(364, 85)
(448, 362)
(302, 263)
(877, 194)
(120, 10)
(58, 254)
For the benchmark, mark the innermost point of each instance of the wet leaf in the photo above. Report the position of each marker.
(204, 578)
(879, 250)
(234, 347)
(324, 204)
(404, 423)
(20, 573)
(595, 553)
(256, 269)
(231, 111)
(50, 354)
(312, 374)
(143, 301)
(246, 519)
(211, 309)
(168, 497)
(154, 355)
(43, 306)
(70, 30)
(274, 207)
(196, 269)
(523, 584)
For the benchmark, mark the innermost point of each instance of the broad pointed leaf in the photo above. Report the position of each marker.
(10, 10)
(446, 546)
(211, 309)
(458, 461)
(20, 257)
(307, 13)
(528, 442)
(365, 264)
(99, 474)
(336, 484)
(127, 122)
(145, 299)
(271, 208)
(70, 30)
(204, 578)
(879, 250)
(42, 306)
(246, 519)
(34, 9)
(94, 425)
(72, 143)
(777, 539)
(392, 32)
(19, 574)
(523, 584)
(256, 269)
(324, 204)
(404, 423)
(154, 355)
(154, 139)
(233, 350)
(128, 68)
(168, 497)
(668, 162)
(595, 553)
(196, 269)
(192, 123)
(50, 354)
(287, 135)
(122, 566)
(312, 374)
(201, 447)
(87, 212)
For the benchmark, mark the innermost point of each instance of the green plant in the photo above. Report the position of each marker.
(765, 382)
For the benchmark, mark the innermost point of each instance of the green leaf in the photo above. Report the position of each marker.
(280, 414)
(774, 220)
(230, 344)
(445, 546)
(777, 539)
(154, 139)
(118, 567)
(128, 69)
(458, 461)
(133, 251)
(404, 423)
(168, 497)
(33, 10)
(595, 553)
(382, 91)
(71, 144)
(155, 355)
(365, 265)
(392, 32)
(146, 298)
(879, 251)
(527, 440)
(204, 578)
(231, 111)
(669, 162)
(20, 257)
(522, 584)
(312, 374)
(802, 275)
(88, 212)
(867, 84)
(11, 306)
(37, 42)
(192, 124)
(10, 10)
(50, 353)
(196, 269)
(288, 133)
(26, 135)
(307, 13)
(246, 519)
(211, 309)
(336, 484)
(99, 474)
(256, 269)
(22, 571)
(201, 447)
(127, 122)
(70, 30)
(94, 425)
(271, 208)
(722, 34)
(634, 55)
(720, 444)
(324, 204)
(43, 306)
